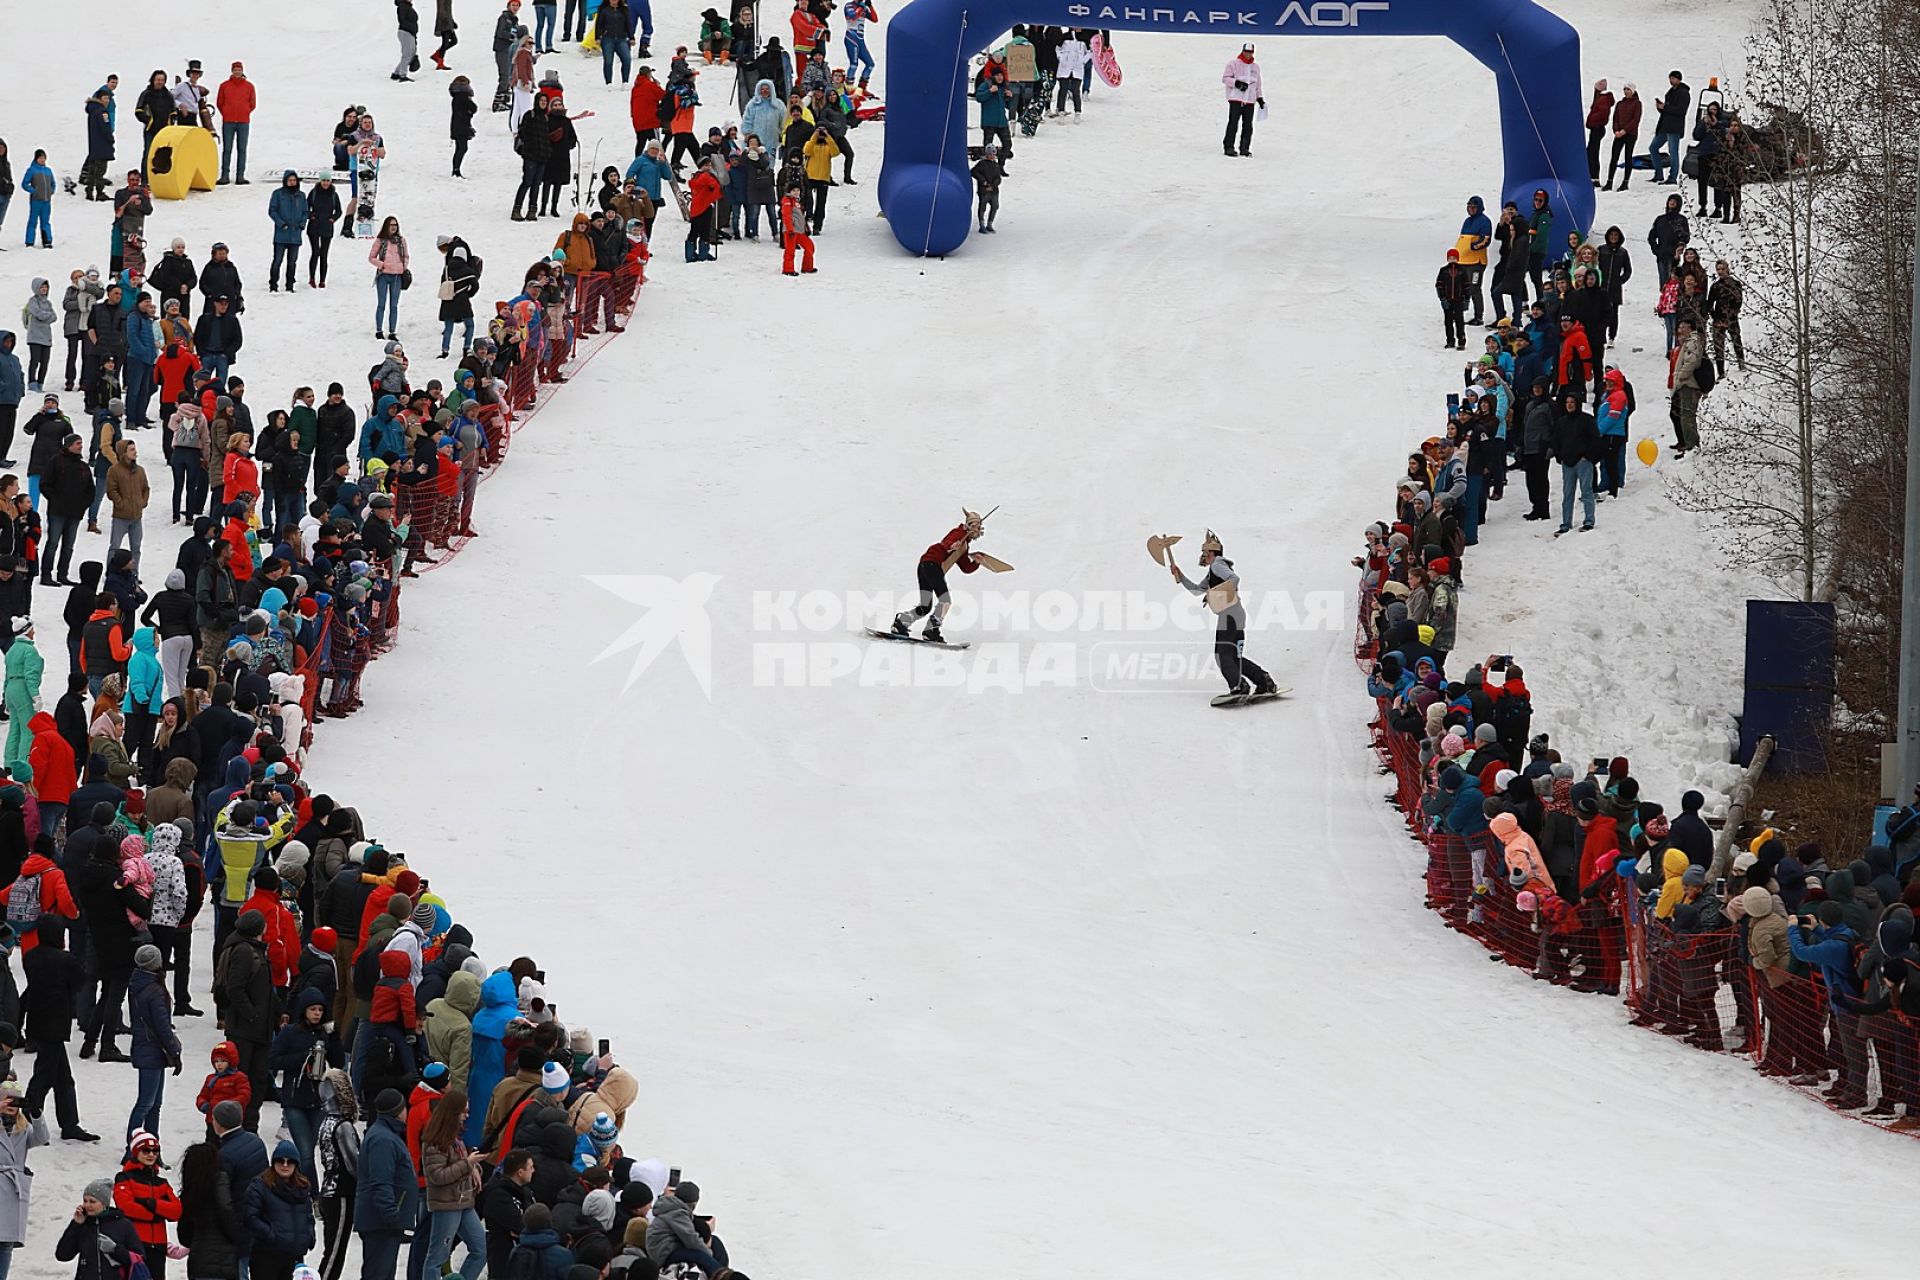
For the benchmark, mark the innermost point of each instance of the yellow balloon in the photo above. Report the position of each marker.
(1648, 450)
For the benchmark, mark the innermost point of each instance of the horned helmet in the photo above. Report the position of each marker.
(976, 523)
(1210, 547)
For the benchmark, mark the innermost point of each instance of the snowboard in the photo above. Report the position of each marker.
(1105, 65)
(364, 226)
(1030, 114)
(931, 644)
(1236, 700)
(680, 197)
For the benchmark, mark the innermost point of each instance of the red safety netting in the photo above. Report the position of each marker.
(1699, 987)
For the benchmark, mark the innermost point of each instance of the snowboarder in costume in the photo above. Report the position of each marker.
(954, 549)
(1221, 588)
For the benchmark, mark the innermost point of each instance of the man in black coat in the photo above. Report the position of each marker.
(173, 279)
(337, 428)
(54, 979)
(1576, 438)
(1690, 833)
(67, 487)
(99, 887)
(245, 978)
(503, 1205)
(221, 278)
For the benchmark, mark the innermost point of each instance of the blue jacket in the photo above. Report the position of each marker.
(499, 1005)
(1611, 423)
(1464, 816)
(287, 1059)
(993, 106)
(13, 379)
(142, 343)
(1477, 224)
(1830, 951)
(288, 209)
(766, 117)
(150, 1012)
(347, 504)
(388, 1198)
(146, 688)
(649, 173)
(99, 131)
(279, 1220)
(244, 1157)
(38, 183)
(383, 433)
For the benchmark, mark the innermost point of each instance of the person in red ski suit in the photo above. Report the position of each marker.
(793, 226)
(956, 549)
(808, 31)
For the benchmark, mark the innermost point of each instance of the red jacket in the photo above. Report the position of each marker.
(55, 898)
(807, 29)
(239, 554)
(52, 759)
(792, 221)
(419, 1111)
(235, 100)
(219, 1088)
(645, 102)
(1599, 110)
(1576, 355)
(175, 373)
(282, 936)
(149, 1203)
(1626, 115)
(1603, 838)
(393, 994)
(939, 551)
(705, 189)
(242, 476)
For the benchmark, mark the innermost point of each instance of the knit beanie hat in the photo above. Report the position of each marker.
(598, 1206)
(604, 1131)
(100, 1189)
(423, 915)
(147, 957)
(553, 1078)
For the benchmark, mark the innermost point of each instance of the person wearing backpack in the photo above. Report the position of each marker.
(38, 892)
(1689, 376)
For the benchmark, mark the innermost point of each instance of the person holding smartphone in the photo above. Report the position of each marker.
(20, 1132)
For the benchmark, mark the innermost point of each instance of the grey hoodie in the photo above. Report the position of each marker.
(39, 315)
(671, 1228)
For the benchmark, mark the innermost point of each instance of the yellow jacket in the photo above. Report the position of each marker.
(1673, 865)
(819, 153)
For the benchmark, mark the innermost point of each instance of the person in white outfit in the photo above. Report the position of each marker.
(1073, 64)
(1242, 81)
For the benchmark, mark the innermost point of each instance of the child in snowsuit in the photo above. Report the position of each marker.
(394, 1016)
(226, 1081)
(793, 228)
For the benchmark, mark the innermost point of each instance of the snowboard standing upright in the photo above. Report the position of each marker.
(367, 159)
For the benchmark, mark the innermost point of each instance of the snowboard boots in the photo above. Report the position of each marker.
(932, 633)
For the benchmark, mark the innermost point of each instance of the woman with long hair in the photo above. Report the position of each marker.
(390, 268)
(452, 1175)
(337, 1154)
(279, 1216)
(209, 1222)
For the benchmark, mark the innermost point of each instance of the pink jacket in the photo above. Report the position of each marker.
(1523, 854)
(1246, 72)
(384, 260)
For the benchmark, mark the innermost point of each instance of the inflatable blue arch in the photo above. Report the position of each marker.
(1533, 54)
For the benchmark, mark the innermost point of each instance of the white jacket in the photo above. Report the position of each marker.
(1247, 73)
(1073, 59)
